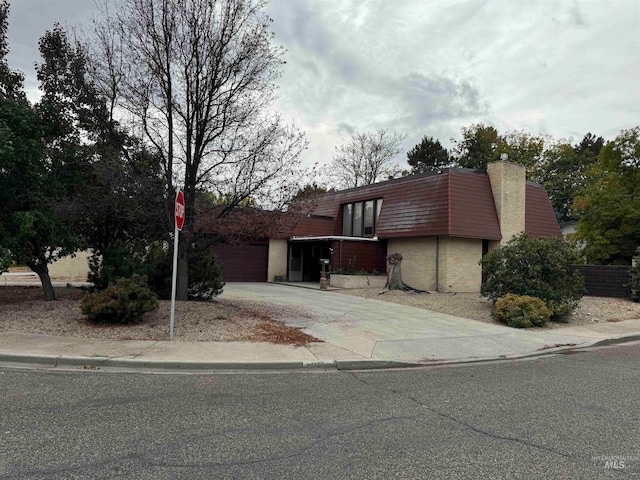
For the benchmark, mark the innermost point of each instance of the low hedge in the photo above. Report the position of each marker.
(521, 311)
(124, 302)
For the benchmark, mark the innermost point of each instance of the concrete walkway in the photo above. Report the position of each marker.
(357, 333)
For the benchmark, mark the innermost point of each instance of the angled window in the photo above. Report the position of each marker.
(360, 219)
(368, 218)
(357, 219)
(347, 219)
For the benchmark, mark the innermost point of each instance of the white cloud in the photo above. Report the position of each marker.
(429, 68)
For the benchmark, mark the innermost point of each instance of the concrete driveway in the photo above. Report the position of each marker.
(354, 327)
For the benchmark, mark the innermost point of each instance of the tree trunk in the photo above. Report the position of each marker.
(394, 275)
(42, 270)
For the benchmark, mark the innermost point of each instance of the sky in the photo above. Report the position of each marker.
(428, 67)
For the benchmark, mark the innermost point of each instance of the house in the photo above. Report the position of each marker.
(442, 224)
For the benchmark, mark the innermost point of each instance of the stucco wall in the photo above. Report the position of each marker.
(67, 268)
(418, 261)
(358, 281)
(459, 267)
(277, 263)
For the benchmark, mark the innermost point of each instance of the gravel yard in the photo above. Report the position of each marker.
(22, 310)
(472, 305)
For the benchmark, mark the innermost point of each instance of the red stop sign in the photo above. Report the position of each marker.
(179, 210)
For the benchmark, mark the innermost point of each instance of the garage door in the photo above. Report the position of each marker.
(245, 263)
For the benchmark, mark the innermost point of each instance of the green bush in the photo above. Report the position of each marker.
(155, 262)
(120, 303)
(118, 261)
(205, 274)
(539, 268)
(635, 278)
(160, 260)
(5, 259)
(521, 311)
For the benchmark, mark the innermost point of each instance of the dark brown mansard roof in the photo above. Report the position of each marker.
(539, 218)
(456, 203)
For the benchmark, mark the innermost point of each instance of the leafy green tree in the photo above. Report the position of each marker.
(538, 268)
(590, 146)
(5, 259)
(478, 146)
(482, 144)
(428, 156)
(32, 185)
(522, 148)
(38, 168)
(119, 207)
(563, 172)
(634, 280)
(11, 81)
(560, 176)
(609, 204)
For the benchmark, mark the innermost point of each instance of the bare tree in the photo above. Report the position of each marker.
(366, 158)
(197, 78)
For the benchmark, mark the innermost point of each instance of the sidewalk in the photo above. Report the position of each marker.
(356, 334)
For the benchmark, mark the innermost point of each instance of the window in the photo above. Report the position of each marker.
(361, 218)
(347, 219)
(368, 218)
(357, 219)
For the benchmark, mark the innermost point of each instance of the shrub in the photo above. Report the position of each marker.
(205, 274)
(117, 261)
(635, 278)
(5, 259)
(521, 311)
(160, 260)
(155, 262)
(539, 268)
(120, 303)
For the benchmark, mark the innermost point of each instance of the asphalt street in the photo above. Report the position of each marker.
(565, 416)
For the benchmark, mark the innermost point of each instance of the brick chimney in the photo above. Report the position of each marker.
(508, 184)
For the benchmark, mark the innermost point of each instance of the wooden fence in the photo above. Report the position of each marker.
(606, 280)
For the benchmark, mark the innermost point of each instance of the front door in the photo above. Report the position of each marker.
(295, 263)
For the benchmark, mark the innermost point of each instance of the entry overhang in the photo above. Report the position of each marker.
(330, 238)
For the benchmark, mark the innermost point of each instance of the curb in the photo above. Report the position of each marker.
(55, 361)
(616, 341)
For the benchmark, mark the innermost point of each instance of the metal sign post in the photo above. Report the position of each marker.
(179, 222)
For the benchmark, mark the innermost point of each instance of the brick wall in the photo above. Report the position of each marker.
(418, 261)
(277, 263)
(508, 184)
(459, 270)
